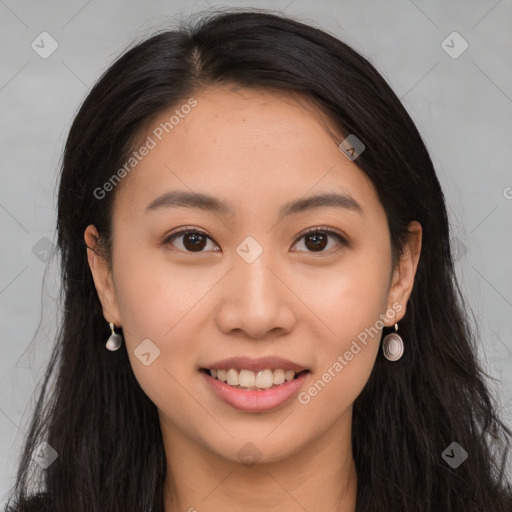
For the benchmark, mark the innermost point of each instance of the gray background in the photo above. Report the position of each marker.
(462, 106)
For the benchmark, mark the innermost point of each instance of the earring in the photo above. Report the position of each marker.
(115, 340)
(393, 346)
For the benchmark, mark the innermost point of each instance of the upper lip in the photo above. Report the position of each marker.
(262, 363)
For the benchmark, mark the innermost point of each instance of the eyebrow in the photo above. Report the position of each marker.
(182, 198)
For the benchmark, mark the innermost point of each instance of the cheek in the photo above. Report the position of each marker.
(153, 295)
(332, 390)
(347, 352)
(350, 297)
(160, 303)
(351, 304)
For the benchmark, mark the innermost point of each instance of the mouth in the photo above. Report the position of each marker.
(248, 380)
(255, 391)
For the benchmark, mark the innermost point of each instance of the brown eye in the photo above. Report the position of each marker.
(192, 240)
(317, 239)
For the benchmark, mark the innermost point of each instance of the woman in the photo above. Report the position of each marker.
(261, 308)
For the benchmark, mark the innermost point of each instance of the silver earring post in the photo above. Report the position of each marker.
(393, 346)
(115, 340)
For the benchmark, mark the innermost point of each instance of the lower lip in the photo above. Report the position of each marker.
(256, 401)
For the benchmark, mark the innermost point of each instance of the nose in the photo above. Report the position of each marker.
(256, 301)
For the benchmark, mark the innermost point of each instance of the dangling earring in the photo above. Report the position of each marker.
(393, 346)
(115, 340)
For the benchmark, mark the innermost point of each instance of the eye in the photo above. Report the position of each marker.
(316, 239)
(194, 240)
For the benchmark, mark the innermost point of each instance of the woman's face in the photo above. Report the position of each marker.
(247, 282)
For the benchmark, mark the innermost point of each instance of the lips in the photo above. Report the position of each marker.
(255, 365)
(251, 401)
(255, 384)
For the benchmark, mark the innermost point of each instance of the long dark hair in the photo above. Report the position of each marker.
(95, 415)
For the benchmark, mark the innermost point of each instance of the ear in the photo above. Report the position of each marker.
(403, 276)
(102, 277)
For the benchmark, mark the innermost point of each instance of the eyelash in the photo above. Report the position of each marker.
(320, 229)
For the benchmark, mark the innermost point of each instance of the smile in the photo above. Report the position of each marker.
(254, 398)
(249, 380)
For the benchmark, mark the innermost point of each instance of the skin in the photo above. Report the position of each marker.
(255, 150)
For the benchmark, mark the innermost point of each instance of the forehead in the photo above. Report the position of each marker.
(246, 145)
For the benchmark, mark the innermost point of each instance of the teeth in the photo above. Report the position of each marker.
(232, 377)
(264, 379)
(280, 376)
(248, 379)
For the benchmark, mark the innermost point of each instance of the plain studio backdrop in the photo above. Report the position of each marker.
(449, 63)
